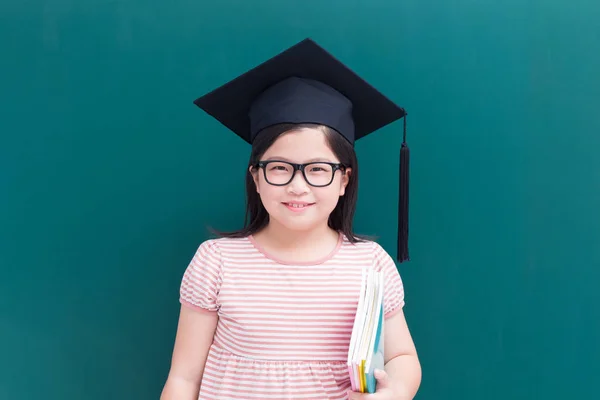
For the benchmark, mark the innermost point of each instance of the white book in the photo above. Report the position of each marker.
(365, 353)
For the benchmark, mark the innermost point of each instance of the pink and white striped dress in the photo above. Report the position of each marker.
(284, 329)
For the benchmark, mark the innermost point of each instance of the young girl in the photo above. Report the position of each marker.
(267, 312)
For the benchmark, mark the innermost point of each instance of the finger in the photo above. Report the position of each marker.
(382, 378)
(360, 396)
(382, 382)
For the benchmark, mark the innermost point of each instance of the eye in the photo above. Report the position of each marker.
(319, 168)
(279, 167)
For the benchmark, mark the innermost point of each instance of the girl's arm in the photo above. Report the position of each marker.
(195, 332)
(402, 363)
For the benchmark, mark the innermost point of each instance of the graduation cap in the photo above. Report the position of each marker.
(306, 84)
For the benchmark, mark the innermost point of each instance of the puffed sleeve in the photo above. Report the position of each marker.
(202, 279)
(393, 295)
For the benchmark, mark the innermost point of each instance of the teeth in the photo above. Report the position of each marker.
(296, 205)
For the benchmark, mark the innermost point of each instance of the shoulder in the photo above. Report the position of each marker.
(224, 251)
(372, 252)
(368, 247)
(223, 245)
(208, 249)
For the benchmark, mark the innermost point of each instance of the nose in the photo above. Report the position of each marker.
(298, 185)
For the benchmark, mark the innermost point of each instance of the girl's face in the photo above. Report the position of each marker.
(298, 205)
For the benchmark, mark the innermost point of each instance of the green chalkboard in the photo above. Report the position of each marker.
(105, 194)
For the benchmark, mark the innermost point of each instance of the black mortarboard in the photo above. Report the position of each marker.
(306, 84)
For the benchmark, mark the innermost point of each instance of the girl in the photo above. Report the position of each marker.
(267, 311)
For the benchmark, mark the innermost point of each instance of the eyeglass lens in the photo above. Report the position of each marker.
(316, 174)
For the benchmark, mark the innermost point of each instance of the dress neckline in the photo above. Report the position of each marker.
(286, 262)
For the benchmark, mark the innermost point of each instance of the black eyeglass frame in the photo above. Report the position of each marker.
(300, 167)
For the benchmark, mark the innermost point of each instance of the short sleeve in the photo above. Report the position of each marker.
(201, 280)
(393, 295)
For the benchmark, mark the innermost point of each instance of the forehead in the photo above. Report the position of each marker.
(301, 145)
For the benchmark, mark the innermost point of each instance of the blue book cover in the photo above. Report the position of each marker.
(377, 360)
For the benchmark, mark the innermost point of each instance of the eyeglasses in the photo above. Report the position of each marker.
(317, 174)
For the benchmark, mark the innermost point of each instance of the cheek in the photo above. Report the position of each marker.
(268, 193)
(329, 196)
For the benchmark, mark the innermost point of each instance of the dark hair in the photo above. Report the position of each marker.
(342, 216)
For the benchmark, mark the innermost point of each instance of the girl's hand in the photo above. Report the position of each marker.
(384, 390)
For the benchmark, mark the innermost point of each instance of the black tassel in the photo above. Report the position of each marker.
(403, 200)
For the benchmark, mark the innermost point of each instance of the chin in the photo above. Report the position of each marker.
(298, 224)
(301, 222)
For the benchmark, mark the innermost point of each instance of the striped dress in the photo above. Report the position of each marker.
(284, 329)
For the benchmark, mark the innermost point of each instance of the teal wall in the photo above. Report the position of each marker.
(105, 191)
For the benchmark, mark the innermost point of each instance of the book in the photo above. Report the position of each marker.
(365, 353)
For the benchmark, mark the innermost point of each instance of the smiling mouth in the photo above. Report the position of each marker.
(298, 206)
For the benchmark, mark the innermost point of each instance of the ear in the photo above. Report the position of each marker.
(254, 173)
(345, 180)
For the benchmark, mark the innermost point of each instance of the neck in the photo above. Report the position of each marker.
(286, 238)
(303, 245)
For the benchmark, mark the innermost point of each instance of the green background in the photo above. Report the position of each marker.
(108, 181)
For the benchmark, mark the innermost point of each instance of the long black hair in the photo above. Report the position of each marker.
(341, 217)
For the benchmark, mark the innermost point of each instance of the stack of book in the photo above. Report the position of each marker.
(365, 354)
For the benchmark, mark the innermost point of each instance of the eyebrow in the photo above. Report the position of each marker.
(318, 159)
